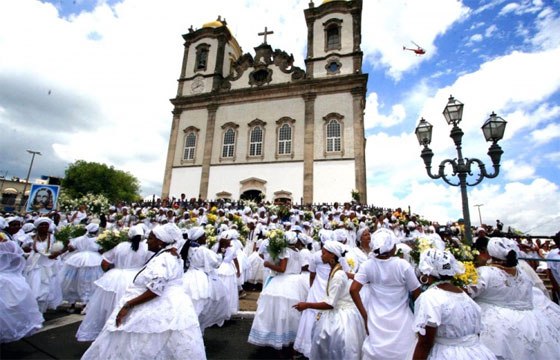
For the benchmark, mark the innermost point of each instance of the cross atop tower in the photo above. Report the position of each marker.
(265, 33)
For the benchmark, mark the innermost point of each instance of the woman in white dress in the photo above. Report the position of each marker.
(19, 313)
(43, 266)
(122, 263)
(318, 277)
(276, 321)
(447, 320)
(512, 327)
(387, 316)
(155, 319)
(338, 332)
(82, 267)
(202, 283)
(229, 270)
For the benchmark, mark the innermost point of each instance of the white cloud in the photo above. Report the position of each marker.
(374, 119)
(517, 171)
(546, 134)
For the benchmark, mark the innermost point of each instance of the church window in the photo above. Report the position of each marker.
(333, 66)
(201, 61)
(190, 146)
(333, 29)
(228, 148)
(284, 137)
(333, 136)
(333, 133)
(285, 140)
(256, 141)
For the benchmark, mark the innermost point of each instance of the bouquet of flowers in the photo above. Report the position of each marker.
(420, 245)
(308, 215)
(68, 232)
(466, 255)
(212, 218)
(276, 243)
(355, 195)
(108, 239)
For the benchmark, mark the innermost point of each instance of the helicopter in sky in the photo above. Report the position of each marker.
(418, 51)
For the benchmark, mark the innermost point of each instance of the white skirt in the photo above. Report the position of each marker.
(78, 282)
(276, 321)
(165, 327)
(44, 282)
(19, 313)
(338, 334)
(109, 289)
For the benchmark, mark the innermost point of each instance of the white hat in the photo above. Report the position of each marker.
(436, 262)
(195, 233)
(136, 230)
(499, 248)
(168, 233)
(325, 235)
(334, 247)
(92, 228)
(340, 235)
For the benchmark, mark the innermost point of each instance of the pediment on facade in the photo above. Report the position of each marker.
(223, 195)
(253, 183)
(265, 67)
(282, 194)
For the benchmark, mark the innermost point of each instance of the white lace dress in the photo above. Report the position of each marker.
(205, 288)
(317, 293)
(511, 326)
(458, 321)
(165, 327)
(227, 272)
(390, 320)
(339, 333)
(110, 288)
(19, 313)
(82, 267)
(42, 275)
(276, 321)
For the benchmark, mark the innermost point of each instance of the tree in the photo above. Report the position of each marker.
(84, 177)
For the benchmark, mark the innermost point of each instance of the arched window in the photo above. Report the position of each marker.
(228, 147)
(190, 146)
(285, 140)
(333, 28)
(333, 136)
(256, 141)
(201, 61)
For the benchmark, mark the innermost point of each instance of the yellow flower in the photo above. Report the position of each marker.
(352, 264)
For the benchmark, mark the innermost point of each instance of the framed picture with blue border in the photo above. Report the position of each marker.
(42, 198)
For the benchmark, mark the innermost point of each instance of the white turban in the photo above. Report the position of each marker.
(436, 262)
(335, 247)
(383, 241)
(361, 231)
(195, 233)
(41, 220)
(291, 237)
(168, 233)
(136, 230)
(325, 235)
(499, 247)
(28, 227)
(92, 228)
(3, 223)
(305, 239)
(14, 218)
(340, 235)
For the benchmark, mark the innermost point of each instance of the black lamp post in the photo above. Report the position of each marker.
(493, 130)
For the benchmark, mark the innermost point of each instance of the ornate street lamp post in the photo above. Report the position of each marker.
(493, 130)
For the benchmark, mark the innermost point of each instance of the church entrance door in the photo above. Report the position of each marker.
(253, 195)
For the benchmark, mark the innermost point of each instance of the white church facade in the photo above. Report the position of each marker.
(254, 124)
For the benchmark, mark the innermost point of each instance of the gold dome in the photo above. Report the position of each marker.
(213, 24)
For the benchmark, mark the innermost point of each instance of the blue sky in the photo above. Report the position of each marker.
(111, 67)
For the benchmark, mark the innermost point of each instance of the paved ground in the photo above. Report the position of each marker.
(57, 338)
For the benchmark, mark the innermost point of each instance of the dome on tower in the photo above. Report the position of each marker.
(215, 24)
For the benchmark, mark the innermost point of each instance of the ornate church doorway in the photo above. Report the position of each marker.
(252, 195)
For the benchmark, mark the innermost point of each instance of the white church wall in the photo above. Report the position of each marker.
(333, 181)
(347, 43)
(286, 176)
(197, 118)
(338, 103)
(268, 111)
(185, 180)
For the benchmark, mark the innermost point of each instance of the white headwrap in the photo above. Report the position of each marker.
(291, 237)
(499, 247)
(3, 223)
(334, 247)
(14, 218)
(41, 220)
(325, 235)
(136, 230)
(305, 239)
(28, 227)
(92, 228)
(436, 262)
(195, 233)
(383, 241)
(168, 233)
(340, 235)
(361, 231)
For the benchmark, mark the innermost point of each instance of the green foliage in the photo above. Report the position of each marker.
(69, 232)
(276, 243)
(82, 178)
(108, 239)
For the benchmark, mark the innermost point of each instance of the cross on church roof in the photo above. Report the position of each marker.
(265, 33)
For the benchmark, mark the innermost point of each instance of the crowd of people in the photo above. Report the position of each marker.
(338, 282)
